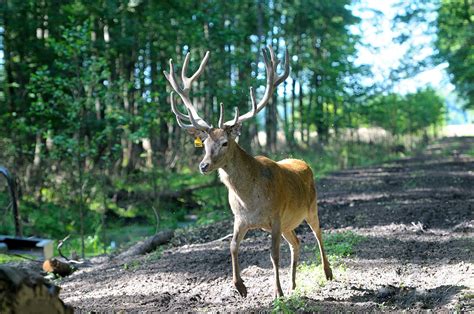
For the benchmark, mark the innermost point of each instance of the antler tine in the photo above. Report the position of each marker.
(254, 102)
(187, 81)
(286, 72)
(194, 122)
(184, 126)
(175, 110)
(184, 69)
(201, 66)
(221, 116)
(236, 116)
(183, 93)
(179, 115)
(228, 123)
(273, 58)
(171, 77)
(273, 80)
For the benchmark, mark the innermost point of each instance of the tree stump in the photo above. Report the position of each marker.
(25, 291)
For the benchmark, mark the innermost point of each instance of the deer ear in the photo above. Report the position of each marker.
(233, 131)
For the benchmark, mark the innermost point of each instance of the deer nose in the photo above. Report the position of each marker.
(204, 166)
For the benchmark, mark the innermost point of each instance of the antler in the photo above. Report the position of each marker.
(273, 80)
(192, 116)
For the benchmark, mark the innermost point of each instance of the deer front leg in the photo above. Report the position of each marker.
(275, 256)
(239, 234)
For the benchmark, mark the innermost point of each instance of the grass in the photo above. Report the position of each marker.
(294, 303)
(133, 265)
(310, 275)
(149, 258)
(471, 152)
(155, 255)
(7, 258)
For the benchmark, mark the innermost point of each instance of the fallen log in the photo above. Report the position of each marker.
(24, 291)
(148, 244)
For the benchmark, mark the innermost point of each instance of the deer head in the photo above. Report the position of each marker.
(220, 142)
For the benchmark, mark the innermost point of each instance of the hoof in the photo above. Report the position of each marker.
(328, 273)
(239, 285)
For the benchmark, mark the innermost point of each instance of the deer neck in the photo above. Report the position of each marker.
(239, 171)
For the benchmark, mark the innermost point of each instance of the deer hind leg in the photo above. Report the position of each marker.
(294, 243)
(313, 221)
(275, 256)
(239, 234)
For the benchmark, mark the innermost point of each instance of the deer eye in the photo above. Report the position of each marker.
(224, 144)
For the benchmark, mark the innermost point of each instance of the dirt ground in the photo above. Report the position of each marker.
(416, 216)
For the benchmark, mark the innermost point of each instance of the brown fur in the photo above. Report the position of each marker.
(274, 196)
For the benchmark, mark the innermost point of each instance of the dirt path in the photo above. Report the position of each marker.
(413, 220)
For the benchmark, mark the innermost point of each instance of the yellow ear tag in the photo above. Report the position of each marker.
(198, 142)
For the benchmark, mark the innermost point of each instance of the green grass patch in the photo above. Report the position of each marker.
(131, 266)
(341, 244)
(155, 255)
(471, 152)
(310, 275)
(292, 304)
(7, 258)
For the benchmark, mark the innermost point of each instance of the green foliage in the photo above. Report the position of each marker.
(409, 114)
(155, 255)
(341, 154)
(85, 121)
(131, 266)
(6, 258)
(455, 37)
(341, 244)
(471, 152)
(291, 304)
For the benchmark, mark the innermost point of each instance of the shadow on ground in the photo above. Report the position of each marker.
(416, 217)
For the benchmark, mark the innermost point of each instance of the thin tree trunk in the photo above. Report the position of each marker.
(301, 111)
(293, 100)
(81, 205)
(308, 116)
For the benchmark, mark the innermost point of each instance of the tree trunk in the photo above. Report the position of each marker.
(308, 116)
(301, 109)
(148, 244)
(293, 100)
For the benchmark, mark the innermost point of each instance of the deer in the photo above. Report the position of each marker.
(262, 193)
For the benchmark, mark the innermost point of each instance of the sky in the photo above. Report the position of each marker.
(387, 54)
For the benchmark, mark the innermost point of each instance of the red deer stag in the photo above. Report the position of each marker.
(273, 196)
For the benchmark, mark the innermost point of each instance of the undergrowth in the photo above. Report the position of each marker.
(132, 216)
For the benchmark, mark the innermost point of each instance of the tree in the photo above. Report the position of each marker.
(456, 44)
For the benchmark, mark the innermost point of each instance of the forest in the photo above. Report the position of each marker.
(89, 136)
